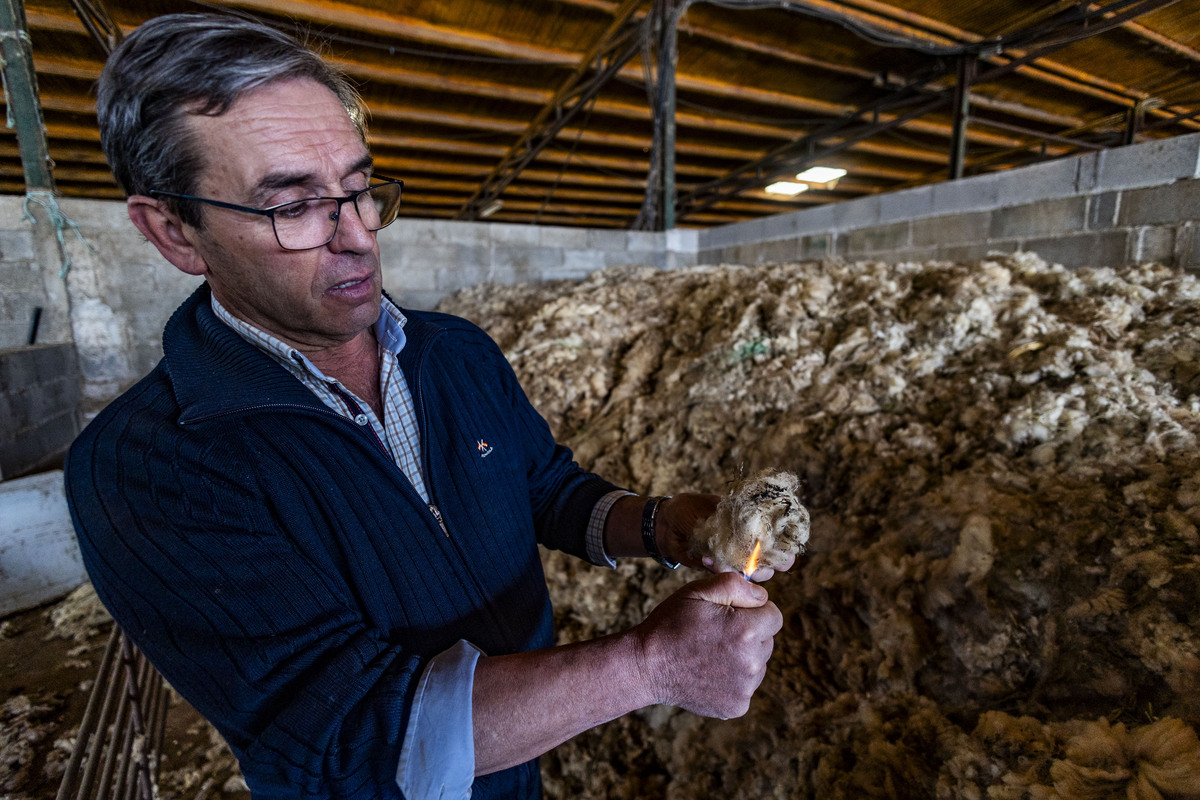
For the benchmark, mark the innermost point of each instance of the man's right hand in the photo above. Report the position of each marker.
(705, 648)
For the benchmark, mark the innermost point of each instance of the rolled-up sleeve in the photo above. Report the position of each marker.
(437, 759)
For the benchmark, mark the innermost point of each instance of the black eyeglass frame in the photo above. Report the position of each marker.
(270, 212)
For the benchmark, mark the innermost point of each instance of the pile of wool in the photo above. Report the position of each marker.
(1001, 593)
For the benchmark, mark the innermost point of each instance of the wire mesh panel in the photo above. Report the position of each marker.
(116, 753)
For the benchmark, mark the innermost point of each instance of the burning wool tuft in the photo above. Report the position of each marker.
(761, 520)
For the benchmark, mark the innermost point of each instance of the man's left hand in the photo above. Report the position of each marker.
(678, 518)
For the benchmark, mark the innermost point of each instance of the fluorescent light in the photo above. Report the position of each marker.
(821, 174)
(788, 188)
(491, 208)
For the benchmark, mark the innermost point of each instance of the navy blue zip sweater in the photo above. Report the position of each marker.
(280, 571)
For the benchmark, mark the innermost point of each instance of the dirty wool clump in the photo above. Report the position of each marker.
(761, 512)
(1001, 592)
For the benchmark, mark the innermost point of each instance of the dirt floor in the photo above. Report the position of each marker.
(48, 659)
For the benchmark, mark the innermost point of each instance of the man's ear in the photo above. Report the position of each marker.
(163, 228)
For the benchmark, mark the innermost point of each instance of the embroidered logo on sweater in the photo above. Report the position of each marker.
(484, 448)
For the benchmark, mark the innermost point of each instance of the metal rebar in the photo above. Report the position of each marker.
(96, 736)
(86, 726)
(120, 739)
(112, 735)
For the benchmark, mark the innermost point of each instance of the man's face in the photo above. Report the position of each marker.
(287, 141)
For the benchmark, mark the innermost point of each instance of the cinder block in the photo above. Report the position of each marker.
(415, 267)
(778, 226)
(683, 240)
(1107, 249)
(816, 246)
(504, 233)
(1187, 248)
(720, 236)
(451, 279)
(12, 334)
(623, 258)
(906, 205)
(565, 238)
(462, 232)
(1150, 163)
(409, 230)
(423, 299)
(525, 262)
(16, 244)
(751, 231)
(16, 406)
(680, 260)
(1176, 202)
(605, 239)
(778, 250)
(879, 238)
(952, 229)
(1154, 244)
(55, 435)
(1102, 210)
(819, 219)
(859, 213)
(52, 362)
(22, 277)
(966, 253)
(585, 261)
(1045, 218)
(35, 449)
(976, 193)
(910, 254)
(742, 254)
(645, 240)
(1048, 180)
(566, 274)
(1087, 172)
(17, 367)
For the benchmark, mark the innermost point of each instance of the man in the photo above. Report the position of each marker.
(293, 516)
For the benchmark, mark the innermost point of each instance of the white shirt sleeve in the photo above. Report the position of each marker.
(437, 759)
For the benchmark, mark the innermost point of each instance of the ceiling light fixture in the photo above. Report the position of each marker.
(787, 188)
(491, 208)
(821, 175)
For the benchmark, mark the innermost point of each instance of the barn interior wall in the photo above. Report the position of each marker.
(1130, 204)
(1133, 204)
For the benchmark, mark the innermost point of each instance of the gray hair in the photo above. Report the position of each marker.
(182, 64)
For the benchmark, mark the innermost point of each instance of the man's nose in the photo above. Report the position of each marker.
(350, 232)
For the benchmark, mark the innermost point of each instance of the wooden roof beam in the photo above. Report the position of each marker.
(401, 26)
(910, 23)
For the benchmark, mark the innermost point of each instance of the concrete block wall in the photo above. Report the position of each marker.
(20, 275)
(39, 407)
(425, 260)
(1126, 205)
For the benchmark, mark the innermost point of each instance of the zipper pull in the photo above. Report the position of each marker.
(438, 516)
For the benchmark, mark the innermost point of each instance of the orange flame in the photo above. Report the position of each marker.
(752, 564)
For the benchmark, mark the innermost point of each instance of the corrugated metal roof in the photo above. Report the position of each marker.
(453, 86)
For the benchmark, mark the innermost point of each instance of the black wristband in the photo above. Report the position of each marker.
(649, 541)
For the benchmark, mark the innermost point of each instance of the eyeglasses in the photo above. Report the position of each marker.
(312, 222)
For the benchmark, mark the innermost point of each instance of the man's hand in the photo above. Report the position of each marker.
(677, 520)
(705, 648)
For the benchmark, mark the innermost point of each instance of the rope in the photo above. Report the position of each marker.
(20, 36)
(59, 220)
